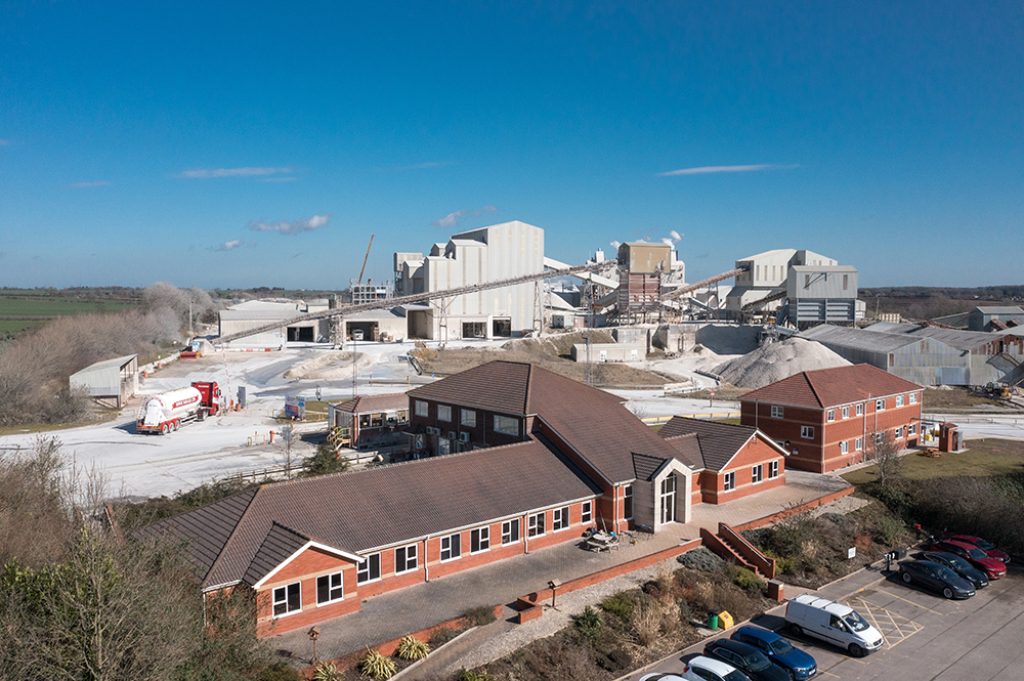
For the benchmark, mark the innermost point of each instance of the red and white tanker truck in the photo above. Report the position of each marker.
(168, 411)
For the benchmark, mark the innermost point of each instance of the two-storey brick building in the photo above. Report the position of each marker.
(831, 418)
(549, 457)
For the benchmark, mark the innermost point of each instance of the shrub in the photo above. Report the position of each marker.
(328, 671)
(621, 605)
(701, 559)
(326, 460)
(442, 636)
(411, 648)
(746, 579)
(480, 615)
(588, 623)
(471, 675)
(377, 666)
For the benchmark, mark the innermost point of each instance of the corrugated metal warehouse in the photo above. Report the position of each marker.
(245, 317)
(113, 380)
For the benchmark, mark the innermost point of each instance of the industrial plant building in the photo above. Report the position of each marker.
(545, 458)
(995, 317)
(113, 381)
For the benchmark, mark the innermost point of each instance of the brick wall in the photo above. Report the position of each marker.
(757, 452)
(305, 569)
(480, 434)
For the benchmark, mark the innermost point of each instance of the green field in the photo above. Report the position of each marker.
(983, 458)
(20, 311)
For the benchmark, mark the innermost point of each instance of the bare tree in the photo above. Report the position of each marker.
(886, 453)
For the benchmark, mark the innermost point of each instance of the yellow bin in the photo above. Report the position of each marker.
(725, 620)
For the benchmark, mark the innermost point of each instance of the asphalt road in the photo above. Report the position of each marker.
(927, 637)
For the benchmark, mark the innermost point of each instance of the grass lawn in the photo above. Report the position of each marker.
(958, 398)
(21, 312)
(985, 457)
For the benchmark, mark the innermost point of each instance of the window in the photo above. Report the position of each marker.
(480, 539)
(668, 499)
(587, 511)
(627, 502)
(879, 438)
(860, 409)
(444, 412)
(369, 569)
(535, 528)
(506, 425)
(467, 417)
(757, 474)
(773, 469)
(844, 447)
(329, 588)
(560, 519)
(913, 398)
(287, 599)
(846, 281)
(880, 405)
(912, 429)
(406, 558)
(830, 415)
(451, 547)
(898, 433)
(421, 408)
(777, 412)
(510, 531)
(730, 481)
(899, 400)
(859, 444)
(846, 412)
(807, 432)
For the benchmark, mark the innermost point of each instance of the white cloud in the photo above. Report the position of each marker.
(229, 245)
(246, 171)
(615, 244)
(89, 184)
(675, 235)
(293, 226)
(708, 170)
(668, 242)
(452, 219)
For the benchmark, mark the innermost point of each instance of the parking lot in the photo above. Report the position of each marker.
(927, 637)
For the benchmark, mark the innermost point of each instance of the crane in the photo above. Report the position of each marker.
(365, 257)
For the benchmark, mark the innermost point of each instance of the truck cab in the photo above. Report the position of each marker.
(210, 390)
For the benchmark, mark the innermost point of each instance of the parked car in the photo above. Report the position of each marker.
(747, 659)
(701, 668)
(958, 565)
(800, 665)
(937, 577)
(988, 547)
(663, 677)
(993, 568)
(834, 623)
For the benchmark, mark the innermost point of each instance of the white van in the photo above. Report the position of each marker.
(833, 622)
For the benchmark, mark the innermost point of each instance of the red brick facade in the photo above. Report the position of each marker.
(757, 456)
(482, 433)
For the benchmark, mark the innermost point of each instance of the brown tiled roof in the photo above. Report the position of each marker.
(377, 507)
(374, 403)
(687, 449)
(503, 387)
(719, 442)
(646, 466)
(831, 387)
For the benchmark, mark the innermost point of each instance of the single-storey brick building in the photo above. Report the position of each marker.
(547, 457)
(831, 418)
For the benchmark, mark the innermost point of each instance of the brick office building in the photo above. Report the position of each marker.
(551, 458)
(831, 418)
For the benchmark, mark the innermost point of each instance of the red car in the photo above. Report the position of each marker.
(983, 544)
(994, 568)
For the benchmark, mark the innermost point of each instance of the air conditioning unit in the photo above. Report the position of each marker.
(463, 437)
(452, 434)
(431, 430)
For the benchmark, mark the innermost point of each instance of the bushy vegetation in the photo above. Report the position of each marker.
(480, 615)
(411, 648)
(138, 514)
(377, 666)
(326, 460)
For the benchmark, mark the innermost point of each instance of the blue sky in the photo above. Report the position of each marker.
(221, 144)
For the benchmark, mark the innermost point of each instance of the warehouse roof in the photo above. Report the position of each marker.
(831, 387)
(114, 363)
(243, 537)
(258, 314)
(962, 340)
(999, 309)
(859, 339)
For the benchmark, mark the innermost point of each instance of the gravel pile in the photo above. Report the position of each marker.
(776, 361)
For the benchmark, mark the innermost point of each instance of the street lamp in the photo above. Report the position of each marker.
(313, 634)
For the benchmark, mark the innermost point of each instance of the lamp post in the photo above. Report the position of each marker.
(313, 634)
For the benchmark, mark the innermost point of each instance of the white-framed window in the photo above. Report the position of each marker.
(730, 481)
(858, 444)
(879, 438)
(898, 433)
(807, 432)
(846, 412)
(480, 540)
(329, 588)
(899, 400)
(880, 405)
(467, 417)
(757, 473)
(860, 409)
(406, 558)
(510, 531)
(627, 502)
(369, 569)
(535, 525)
(287, 599)
(844, 447)
(586, 511)
(421, 408)
(913, 398)
(830, 415)
(777, 411)
(560, 519)
(506, 425)
(451, 547)
(444, 412)
(912, 429)
(773, 469)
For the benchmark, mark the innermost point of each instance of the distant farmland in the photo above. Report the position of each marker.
(22, 310)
